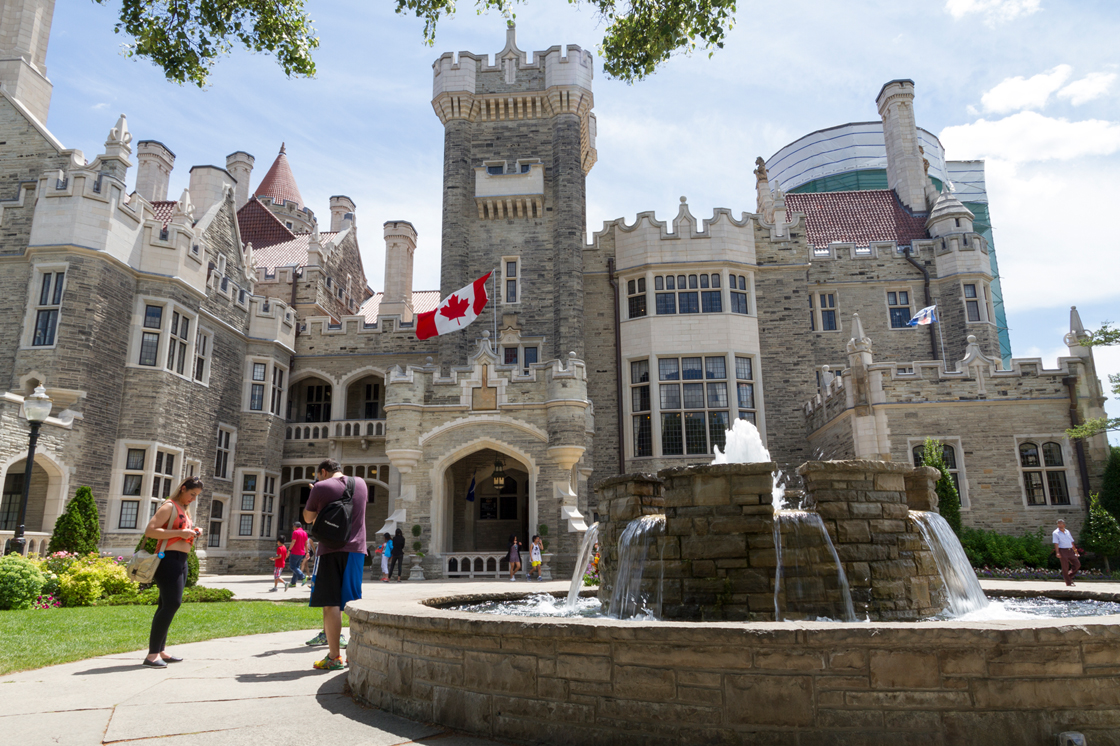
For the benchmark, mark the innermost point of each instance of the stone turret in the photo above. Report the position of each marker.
(400, 245)
(343, 213)
(240, 166)
(949, 216)
(25, 29)
(905, 172)
(209, 185)
(154, 171)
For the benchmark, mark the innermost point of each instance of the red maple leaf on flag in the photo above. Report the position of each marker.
(456, 308)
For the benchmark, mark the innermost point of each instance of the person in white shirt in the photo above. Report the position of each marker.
(535, 557)
(1066, 551)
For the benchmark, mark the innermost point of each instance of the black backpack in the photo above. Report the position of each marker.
(332, 524)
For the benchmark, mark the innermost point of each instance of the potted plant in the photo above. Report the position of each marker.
(417, 572)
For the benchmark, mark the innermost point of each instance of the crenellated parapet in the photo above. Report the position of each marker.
(721, 238)
(518, 87)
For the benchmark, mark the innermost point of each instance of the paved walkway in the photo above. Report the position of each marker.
(255, 690)
(247, 690)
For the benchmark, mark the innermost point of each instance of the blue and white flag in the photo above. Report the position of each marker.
(470, 492)
(927, 315)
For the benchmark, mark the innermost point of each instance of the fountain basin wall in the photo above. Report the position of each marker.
(717, 556)
(613, 682)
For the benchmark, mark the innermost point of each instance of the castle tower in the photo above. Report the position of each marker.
(154, 170)
(905, 172)
(279, 191)
(400, 245)
(25, 29)
(519, 139)
(342, 212)
(240, 167)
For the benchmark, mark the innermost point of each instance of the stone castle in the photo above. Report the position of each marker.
(223, 334)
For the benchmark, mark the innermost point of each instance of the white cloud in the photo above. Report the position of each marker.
(1013, 94)
(1093, 85)
(1029, 136)
(99, 107)
(993, 11)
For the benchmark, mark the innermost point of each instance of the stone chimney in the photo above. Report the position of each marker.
(342, 212)
(905, 172)
(400, 244)
(156, 161)
(25, 29)
(240, 166)
(208, 187)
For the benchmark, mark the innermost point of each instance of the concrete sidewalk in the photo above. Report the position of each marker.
(256, 690)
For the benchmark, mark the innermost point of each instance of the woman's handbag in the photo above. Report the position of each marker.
(142, 565)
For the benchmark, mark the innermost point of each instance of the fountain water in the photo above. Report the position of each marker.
(743, 445)
(809, 570)
(590, 538)
(627, 599)
(962, 588)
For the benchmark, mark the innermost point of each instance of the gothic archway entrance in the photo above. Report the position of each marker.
(476, 533)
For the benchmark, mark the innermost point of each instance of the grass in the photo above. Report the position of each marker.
(38, 638)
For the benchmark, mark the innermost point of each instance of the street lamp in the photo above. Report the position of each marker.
(36, 408)
(499, 473)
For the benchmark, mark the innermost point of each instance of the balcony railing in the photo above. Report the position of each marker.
(337, 430)
(35, 542)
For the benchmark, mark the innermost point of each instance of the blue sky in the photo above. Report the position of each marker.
(1029, 85)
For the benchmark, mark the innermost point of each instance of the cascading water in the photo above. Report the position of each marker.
(627, 599)
(590, 537)
(809, 570)
(962, 588)
(743, 445)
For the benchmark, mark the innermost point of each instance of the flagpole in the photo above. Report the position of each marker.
(941, 339)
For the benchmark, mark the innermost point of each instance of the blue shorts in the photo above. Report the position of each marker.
(338, 579)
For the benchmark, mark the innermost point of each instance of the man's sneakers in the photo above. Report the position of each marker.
(330, 664)
(321, 639)
(272, 589)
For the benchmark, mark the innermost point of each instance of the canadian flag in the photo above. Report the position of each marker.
(454, 312)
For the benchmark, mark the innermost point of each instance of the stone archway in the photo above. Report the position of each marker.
(47, 497)
(452, 515)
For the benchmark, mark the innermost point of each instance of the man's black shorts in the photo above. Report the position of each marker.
(338, 580)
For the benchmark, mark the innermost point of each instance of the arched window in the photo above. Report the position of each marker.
(1044, 474)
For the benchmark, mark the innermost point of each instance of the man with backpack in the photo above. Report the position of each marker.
(336, 513)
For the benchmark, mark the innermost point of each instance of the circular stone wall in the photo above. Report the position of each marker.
(603, 681)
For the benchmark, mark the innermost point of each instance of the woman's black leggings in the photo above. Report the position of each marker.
(171, 578)
(397, 562)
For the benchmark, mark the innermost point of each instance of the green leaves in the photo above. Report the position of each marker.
(187, 37)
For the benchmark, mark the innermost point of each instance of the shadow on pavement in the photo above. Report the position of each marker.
(249, 678)
(112, 669)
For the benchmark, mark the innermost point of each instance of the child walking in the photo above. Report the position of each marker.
(278, 563)
(535, 549)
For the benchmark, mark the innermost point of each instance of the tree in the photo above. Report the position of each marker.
(77, 529)
(1110, 483)
(1101, 532)
(187, 37)
(1106, 336)
(948, 501)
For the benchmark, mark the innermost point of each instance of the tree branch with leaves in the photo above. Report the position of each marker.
(186, 38)
(1106, 336)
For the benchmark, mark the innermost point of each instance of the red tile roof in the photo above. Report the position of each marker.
(260, 227)
(164, 210)
(422, 301)
(280, 183)
(856, 217)
(287, 253)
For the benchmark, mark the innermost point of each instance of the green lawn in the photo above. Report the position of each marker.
(38, 638)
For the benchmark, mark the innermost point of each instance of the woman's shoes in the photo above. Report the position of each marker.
(157, 663)
(172, 659)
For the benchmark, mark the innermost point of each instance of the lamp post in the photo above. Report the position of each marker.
(36, 408)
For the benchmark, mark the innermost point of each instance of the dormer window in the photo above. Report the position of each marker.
(525, 168)
(495, 170)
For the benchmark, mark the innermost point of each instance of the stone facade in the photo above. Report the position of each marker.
(297, 356)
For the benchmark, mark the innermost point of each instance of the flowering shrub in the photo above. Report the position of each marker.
(1030, 573)
(46, 601)
(591, 575)
(20, 582)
